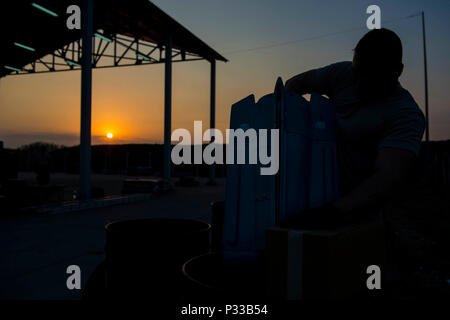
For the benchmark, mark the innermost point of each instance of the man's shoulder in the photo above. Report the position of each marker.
(405, 123)
(343, 64)
(403, 101)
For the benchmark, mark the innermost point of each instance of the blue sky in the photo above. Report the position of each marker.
(234, 25)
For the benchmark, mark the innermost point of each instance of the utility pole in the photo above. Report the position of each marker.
(427, 128)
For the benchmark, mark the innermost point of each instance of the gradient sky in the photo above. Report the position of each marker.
(129, 101)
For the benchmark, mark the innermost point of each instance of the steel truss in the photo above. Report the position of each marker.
(108, 52)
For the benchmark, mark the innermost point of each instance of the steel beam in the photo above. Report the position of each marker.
(86, 94)
(167, 107)
(212, 119)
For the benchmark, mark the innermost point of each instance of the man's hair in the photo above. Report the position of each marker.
(380, 48)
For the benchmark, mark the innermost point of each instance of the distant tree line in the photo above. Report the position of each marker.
(141, 159)
(134, 159)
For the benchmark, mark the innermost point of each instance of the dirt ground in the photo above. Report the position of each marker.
(35, 250)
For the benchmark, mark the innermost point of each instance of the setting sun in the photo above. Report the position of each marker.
(109, 135)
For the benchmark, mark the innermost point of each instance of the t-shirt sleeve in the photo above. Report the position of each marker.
(328, 77)
(404, 130)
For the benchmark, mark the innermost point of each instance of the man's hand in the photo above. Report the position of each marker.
(324, 217)
(392, 168)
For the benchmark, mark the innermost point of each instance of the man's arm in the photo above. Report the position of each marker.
(321, 80)
(392, 168)
(302, 83)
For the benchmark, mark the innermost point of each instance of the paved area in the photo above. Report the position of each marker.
(110, 183)
(36, 250)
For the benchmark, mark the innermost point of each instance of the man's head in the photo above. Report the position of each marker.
(377, 63)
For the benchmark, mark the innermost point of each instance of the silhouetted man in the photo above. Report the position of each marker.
(379, 127)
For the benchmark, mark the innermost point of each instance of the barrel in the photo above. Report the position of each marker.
(217, 216)
(144, 257)
(221, 276)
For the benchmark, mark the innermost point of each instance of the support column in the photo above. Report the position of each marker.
(212, 119)
(167, 107)
(86, 94)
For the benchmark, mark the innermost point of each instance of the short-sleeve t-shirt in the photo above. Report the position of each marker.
(395, 121)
